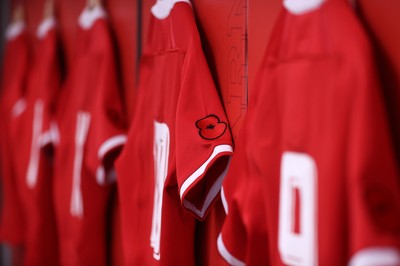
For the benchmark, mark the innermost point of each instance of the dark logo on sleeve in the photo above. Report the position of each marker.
(210, 127)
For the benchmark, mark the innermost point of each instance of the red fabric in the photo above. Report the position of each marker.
(89, 106)
(13, 84)
(317, 98)
(175, 92)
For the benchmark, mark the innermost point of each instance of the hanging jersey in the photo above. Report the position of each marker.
(32, 167)
(316, 141)
(90, 125)
(179, 144)
(15, 67)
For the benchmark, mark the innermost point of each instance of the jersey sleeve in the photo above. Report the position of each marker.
(373, 180)
(48, 79)
(108, 124)
(203, 139)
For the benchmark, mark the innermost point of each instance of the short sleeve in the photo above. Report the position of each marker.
(203, 139)
(107, 134)
(48, 79)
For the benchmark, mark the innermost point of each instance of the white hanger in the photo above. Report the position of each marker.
(162, 8)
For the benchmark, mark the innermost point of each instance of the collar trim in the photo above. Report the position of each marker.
(162, 8)
(45, 26)
(89, 16)
(297, 7)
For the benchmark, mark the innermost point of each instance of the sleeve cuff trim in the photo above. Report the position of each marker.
(199, 172)
(227, 255)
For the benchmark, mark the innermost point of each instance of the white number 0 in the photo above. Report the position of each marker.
(297, 235)
(161, 153)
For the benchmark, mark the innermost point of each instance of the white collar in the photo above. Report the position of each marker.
(162, 8)
(45, 26)
(89, 16)
(299, 7)
(14, 29)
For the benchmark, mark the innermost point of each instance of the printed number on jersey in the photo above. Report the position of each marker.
(82, 128)
(297, 235)
(161, 153)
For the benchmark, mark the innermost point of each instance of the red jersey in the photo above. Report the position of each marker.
(15, 67)
(91, 125)
(316, 156)
(178, 147)
(33, 171)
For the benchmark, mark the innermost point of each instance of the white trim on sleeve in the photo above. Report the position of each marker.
(375, 256)
(45, 138)
(107, 146)
(110, 144)
(224, 201)
(215, 187)
(50, 136)
(226, 254)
